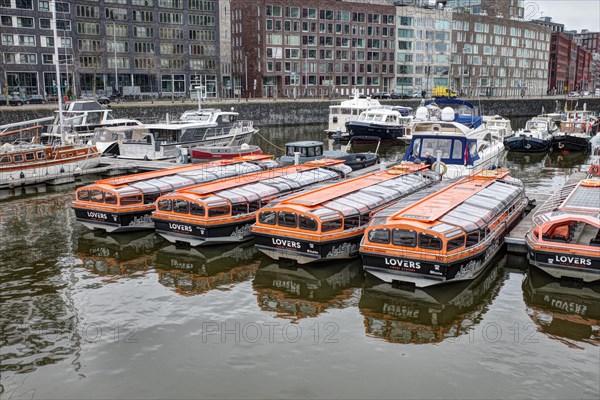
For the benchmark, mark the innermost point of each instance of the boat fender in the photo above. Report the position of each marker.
(439, 166)
(595, 170)
(561, 145)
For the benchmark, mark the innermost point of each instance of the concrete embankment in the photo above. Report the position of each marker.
(294, 112)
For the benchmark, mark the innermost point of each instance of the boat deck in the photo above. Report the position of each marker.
(515, 240)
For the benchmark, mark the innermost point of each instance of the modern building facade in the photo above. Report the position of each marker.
(494, 56)
(164, 47)
(506, 8)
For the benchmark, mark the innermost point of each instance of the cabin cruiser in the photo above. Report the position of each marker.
(447, 233)
(80, 120)
(461, 150)
(564, 240)
(499, 127)
(348, 110)
(387, 124)
(169, 140)
(573, 135)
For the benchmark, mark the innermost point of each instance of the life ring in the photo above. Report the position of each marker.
(595, 170)
(527, 145)
(442, 167)
(561, 145)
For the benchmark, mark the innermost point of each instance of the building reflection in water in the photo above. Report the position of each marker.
(192, 271)
(566, 311)
(117, 256)
(297, 292)
(428, 315)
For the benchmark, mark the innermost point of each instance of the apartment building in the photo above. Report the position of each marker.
(165, 47)
(494, 56)
(510, 9)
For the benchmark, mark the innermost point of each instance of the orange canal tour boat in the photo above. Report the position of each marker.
(328, 223)
(223, 212)
(447, 233)
(126, 203)
(564, 240)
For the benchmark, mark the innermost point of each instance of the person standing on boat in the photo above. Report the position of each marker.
(428, 159)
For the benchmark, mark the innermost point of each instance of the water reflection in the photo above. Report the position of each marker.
(428, 315)
(117, 256)
(192, 271)
(566, 312)
(299, 292)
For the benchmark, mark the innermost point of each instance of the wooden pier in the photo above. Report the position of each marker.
(515, 240)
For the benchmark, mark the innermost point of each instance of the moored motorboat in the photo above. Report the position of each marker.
(347, 111)
(385, 123)
(573, 136)
(202, 154)
(447, 233)
(310, 150)
(462, 150)
(328, 223)
(535, 137)
(564, 240)
(223, 212)
(125, 203)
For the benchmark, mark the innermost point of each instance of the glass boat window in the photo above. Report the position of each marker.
(431, 145)
(97, 196)
(429, 242)
(239, 209)
(403, 237)
(29, 156)
(379, 236)
(129, 200)
(218, 211)
(286, 219)
(307, 223)
(19, 157)
(455, 243)
(165, 205)
(151, 198)
(311, 151)
(254, 206)
(40, 155)
(5, 160)
(472, 239)
(83, 195)
(181, 206)
(351, 222)
(331, 225)
(110, 198)
(196, 209)
(267, 217)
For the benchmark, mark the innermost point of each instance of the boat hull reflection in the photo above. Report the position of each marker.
(428, 315)
(192, 271)
(299, 292)
(564, 311)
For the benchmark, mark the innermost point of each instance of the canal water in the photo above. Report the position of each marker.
(88, 315)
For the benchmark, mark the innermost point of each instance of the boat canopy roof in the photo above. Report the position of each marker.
(304, 143)
(469, 203)
(360, 195)
(585, 197)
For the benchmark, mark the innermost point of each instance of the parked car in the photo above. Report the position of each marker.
(103, 100)
(35, 99)
(573, 94)
(585, 93)
(597, 93)
(380, 95)
(401, 95)
(12, 101)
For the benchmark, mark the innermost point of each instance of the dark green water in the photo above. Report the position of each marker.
(85, 315)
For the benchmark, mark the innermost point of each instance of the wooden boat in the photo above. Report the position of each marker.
(23, 163)
(328, 223)
(428, 315)
(125, 203)
(564, 240)
(223, 212)
(463, 150)
(447, 233)
(202, 154)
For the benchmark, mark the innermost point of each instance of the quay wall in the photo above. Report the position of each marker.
(293, 112)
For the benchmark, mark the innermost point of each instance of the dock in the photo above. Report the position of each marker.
(515, 240)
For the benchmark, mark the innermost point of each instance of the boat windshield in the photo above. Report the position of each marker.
(450, 148)
(536, 125)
